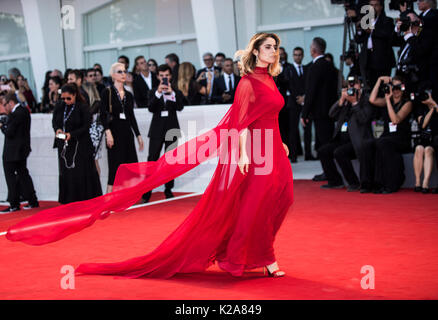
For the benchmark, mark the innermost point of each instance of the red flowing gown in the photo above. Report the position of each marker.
(237, 218)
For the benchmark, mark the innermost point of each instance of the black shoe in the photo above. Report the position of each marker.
(387, 191)
(353, 188)
(31, 206)
(320, 177)
(168, 193)
(146, 197)
(365, 190)
(332, 186)
(10, 209)
(418, 189)
(435, 191)
(378, 191)
(310, 158)
(425, 190)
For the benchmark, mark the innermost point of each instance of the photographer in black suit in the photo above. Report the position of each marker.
(353, 114)
(165, 101)
(321, 93)
(16, 149)
(225, 85)
(144, 81)
(377, 54)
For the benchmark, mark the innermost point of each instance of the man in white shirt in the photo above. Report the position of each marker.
(144, 81)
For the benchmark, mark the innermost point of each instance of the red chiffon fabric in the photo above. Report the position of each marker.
(238, 216)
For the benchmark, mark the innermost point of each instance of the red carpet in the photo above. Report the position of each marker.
(327, 237)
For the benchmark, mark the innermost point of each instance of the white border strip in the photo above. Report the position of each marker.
(150, 204)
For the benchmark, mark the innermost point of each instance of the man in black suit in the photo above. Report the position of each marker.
(76, 76)
(202, 75)
(165, 101)
(283, 84)
(172, 60)
(321, 93)
(377, 55)
(225, 85)
(297, 86)
(353, 114)
(143, 82)
(16, 149)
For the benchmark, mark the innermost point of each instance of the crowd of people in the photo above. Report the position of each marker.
(372, 119)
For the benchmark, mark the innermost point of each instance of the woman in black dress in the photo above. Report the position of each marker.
(118, 119)
(381, 161)
(78, 178)
(424, 151)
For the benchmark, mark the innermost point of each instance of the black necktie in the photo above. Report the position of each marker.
(301, 70)
(230, 84)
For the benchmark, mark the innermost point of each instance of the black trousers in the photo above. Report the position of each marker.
(342, 150)
(324, 129)
(155, 147)
(285, 126)
(17, 171)
(381, 162)
(294, 135)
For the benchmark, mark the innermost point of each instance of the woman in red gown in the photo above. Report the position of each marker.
(243, 207)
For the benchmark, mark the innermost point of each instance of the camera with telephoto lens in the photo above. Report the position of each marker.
(351, 91)
(385, 88)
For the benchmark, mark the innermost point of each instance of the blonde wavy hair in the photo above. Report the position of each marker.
(186, 72)
(247, 60)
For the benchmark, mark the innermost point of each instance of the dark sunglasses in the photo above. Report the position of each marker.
(398, 87)
(66, 99)
(121, 71)
(151, 64)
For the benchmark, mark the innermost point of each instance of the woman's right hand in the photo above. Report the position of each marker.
(243, 164)
(109, 139)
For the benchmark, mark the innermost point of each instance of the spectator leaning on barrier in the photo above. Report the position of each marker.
(190, 88)
(225, 85)
(144, 81)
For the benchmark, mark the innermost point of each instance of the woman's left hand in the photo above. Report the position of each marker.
(140, 143)
(286, 149)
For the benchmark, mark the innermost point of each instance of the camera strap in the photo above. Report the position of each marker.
(63, 152)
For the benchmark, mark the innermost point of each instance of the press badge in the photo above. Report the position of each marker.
(122, 116)
(344, 127)
(392, 127)
(164, 113)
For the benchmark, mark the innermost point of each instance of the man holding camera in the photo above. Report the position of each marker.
(165, 101)
(352, 114)
(16, 149)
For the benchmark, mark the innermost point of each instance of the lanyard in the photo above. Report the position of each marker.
(122, 102)
(67, 116)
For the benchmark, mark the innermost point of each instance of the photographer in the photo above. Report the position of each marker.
(16, 149)
(382, 167)
(165, 101)
(377, 54)
(352, 114)
(424, 151)
(78, 177)
(419, 55)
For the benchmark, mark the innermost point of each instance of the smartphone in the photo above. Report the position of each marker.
(165, 81)
(61, 136)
